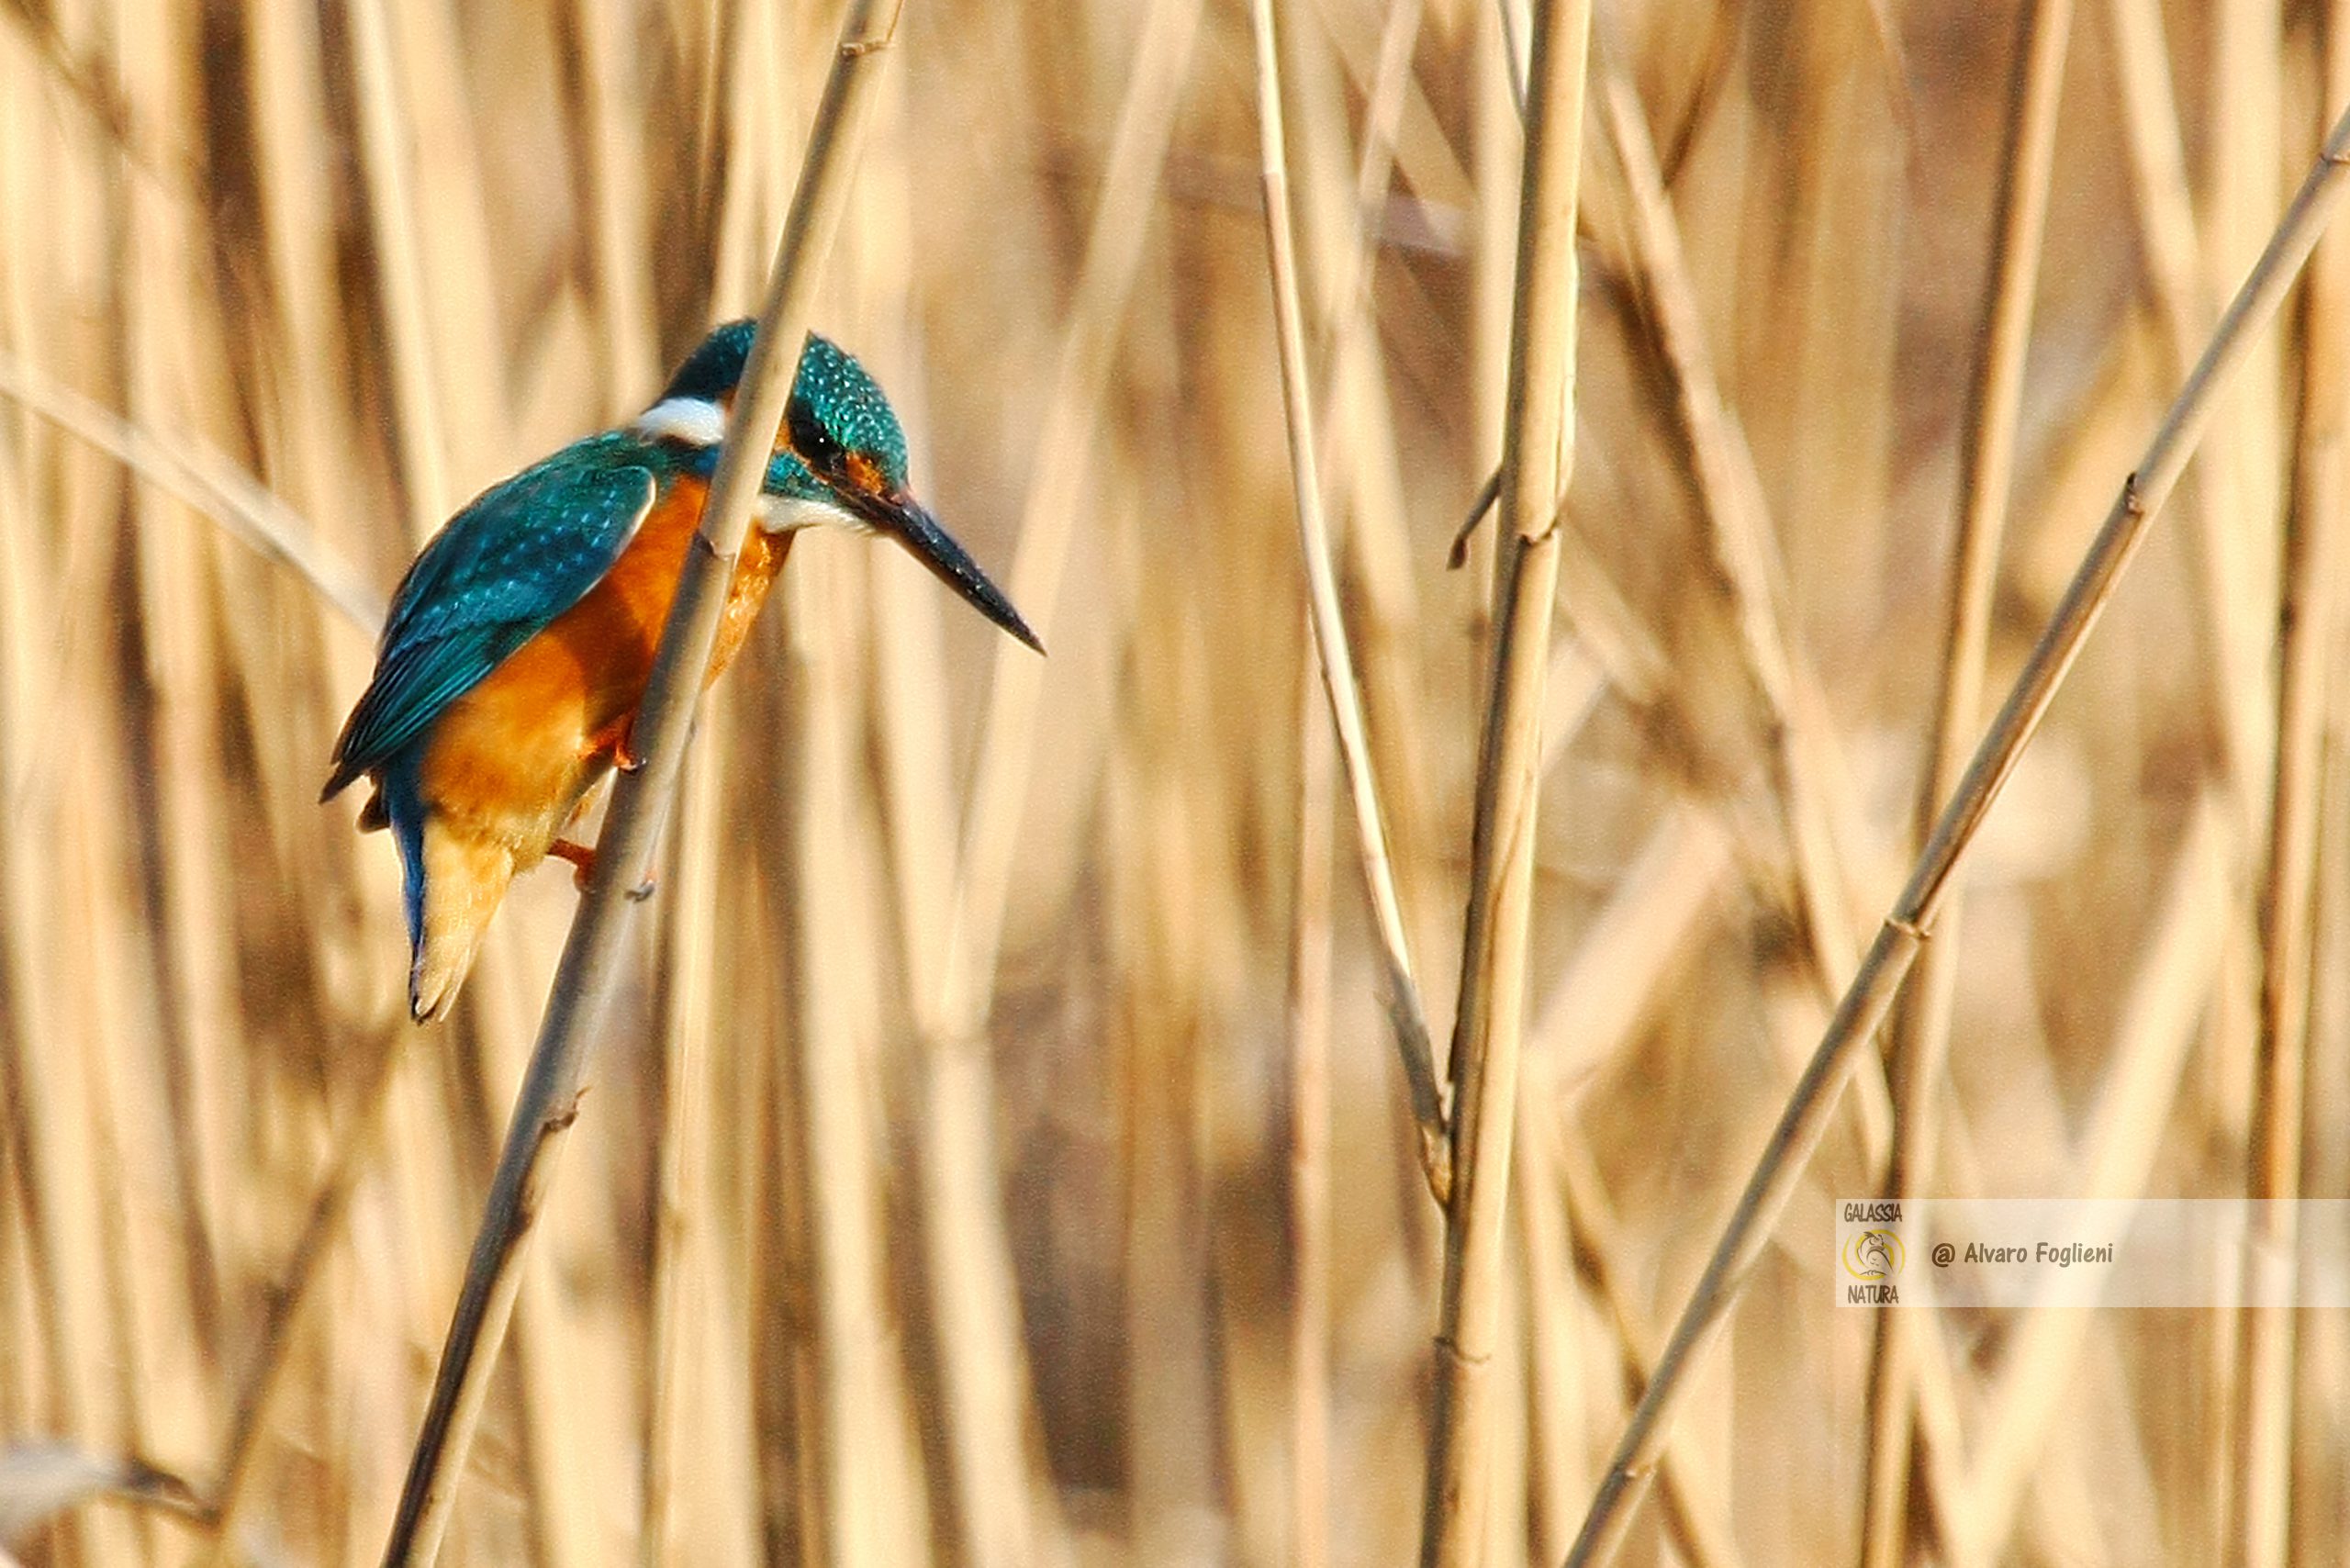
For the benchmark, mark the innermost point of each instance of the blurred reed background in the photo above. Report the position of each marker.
(933, 1198)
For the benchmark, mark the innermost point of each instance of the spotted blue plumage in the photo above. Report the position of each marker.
(502, 569)
(836, 407)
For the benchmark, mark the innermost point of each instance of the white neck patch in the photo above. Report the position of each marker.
(694, 420)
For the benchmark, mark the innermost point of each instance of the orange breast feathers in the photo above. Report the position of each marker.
(511, 758)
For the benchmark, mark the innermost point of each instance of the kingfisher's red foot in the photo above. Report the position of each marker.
(582, 858)
(583, 867)
(613, 743)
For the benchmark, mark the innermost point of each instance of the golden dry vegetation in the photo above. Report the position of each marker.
(999, 1153)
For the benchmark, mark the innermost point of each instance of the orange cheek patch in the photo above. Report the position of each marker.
(864, 474)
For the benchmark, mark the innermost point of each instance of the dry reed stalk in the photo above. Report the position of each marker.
(1696, 1516)
(2168, 996)
(983, 1358)
(685, 970)
(1309, 1140)
(53, 1191)
(1738, 536)
(1161, 888)
(2174, 258)
(552, 1362)
(269, 1382)
(25, 1338)
(2246, 171)
(548, 1100)
(2158, 162)
(1551, 1314)
(1113, 252)
(1917, 1036)
(857, 1519)
(1618, 971)
(419, 429)
(1744, 550)
(205, 481)
(1497, 128)
(393, 106)
(1615, 980)
(1339, 686)
(974, 1312)
(605, 103)
(2321, 1475)
(1537, 459)
(1336, 210)
(2260, 1429)
(175, 753)
(1905, 929)
(115, 1100)
(449, 219)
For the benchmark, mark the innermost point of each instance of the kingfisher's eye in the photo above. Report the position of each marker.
(813, 440)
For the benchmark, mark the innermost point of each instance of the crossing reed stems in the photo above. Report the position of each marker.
(1888, 959)
(1918, 1032)
(548, 1100)
(1337, 659)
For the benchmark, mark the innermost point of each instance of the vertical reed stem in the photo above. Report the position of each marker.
(1536, 461)
(2260, 1429)
(1918, 1034)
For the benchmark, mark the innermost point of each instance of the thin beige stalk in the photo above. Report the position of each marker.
(2183, 299)
(1919, 1033)
(1336, 210)
(2244, 170)
(1912, 917)
(606, 105)
(2261, 1430)
(688, 940)
(1339, 686)
(205, 480)
(417, 428)
(1740, 539)
(548, 1100)
(981, 1353)
(861, 1516)
(1557, 1385)
(2169, 993)
(1537, 460)
(1309, 1141)
(267, 1384)
(1050, 512)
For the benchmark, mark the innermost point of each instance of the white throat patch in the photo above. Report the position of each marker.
(789, 514)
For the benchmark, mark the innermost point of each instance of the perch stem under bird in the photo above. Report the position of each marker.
(520, 642)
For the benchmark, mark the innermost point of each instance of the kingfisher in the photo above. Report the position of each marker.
(520, 641)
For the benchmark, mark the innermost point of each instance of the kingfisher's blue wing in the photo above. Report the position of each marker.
(520, 554)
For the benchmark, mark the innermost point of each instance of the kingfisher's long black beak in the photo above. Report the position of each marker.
(906, 520)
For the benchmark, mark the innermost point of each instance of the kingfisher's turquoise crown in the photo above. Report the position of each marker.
(835, 407)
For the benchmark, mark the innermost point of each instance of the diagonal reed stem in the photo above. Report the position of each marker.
(547, 1103)
(1905, 929)
(1537, 459)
